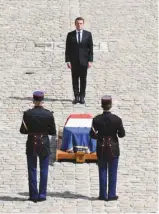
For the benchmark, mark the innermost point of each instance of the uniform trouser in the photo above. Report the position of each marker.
(79, 72)
(109, 168)
(32, 176)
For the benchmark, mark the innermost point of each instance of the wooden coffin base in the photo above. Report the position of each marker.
(79, 157)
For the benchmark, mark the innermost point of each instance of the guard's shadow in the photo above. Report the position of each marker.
(9, 198)
(66, 194)
(45, 99)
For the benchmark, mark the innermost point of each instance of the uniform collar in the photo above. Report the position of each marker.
(106, 112)
(38, 106)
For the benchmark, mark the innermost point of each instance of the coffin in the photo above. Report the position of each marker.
(74, 142)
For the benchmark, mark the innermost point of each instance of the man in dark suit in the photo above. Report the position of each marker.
(106, 128)
(79, 57)
(38, 123)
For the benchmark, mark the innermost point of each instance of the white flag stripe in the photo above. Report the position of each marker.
(77, 122)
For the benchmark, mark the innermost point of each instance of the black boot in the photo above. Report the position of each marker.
(113, 198)
(32, 199)
(102, 199)
(41, 199)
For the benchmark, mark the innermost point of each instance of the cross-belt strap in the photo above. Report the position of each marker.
(25, 125)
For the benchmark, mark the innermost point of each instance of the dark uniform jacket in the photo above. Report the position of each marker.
(79, 52)
(38, 123)
(107, 125)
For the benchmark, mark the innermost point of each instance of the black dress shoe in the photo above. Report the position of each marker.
(76, 100)
(32, 199)
(41, 199)
(113, 198)
(82, 101)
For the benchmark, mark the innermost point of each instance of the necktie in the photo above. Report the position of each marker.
(79, 37)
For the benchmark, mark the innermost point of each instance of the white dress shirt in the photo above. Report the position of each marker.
(81, 34)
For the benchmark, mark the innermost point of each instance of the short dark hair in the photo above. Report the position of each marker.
(106, 107)
(79, 18)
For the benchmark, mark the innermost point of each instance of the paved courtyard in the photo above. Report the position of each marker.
(32, 41)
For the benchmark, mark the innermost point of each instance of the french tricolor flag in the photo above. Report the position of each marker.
(76, 134)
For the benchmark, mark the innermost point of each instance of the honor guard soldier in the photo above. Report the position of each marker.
(106, 128)
(38, 123)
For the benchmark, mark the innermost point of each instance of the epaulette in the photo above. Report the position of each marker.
(25, 111)
(28, 110)
(97, 115)
(49, 111)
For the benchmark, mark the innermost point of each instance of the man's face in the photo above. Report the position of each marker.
(79, 24)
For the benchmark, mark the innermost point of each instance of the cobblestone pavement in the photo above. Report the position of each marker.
(32, 40)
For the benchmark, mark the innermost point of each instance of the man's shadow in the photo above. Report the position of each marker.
(66, 194)
(45, 99)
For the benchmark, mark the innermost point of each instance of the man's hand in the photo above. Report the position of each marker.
(89, 64)
(69, 65)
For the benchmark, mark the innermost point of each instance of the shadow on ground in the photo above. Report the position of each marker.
(9, 198)
(66, 194)
(45, 99)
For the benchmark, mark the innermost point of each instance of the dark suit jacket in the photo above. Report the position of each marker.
(38, 120)
(107, 124)
(79, 53)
